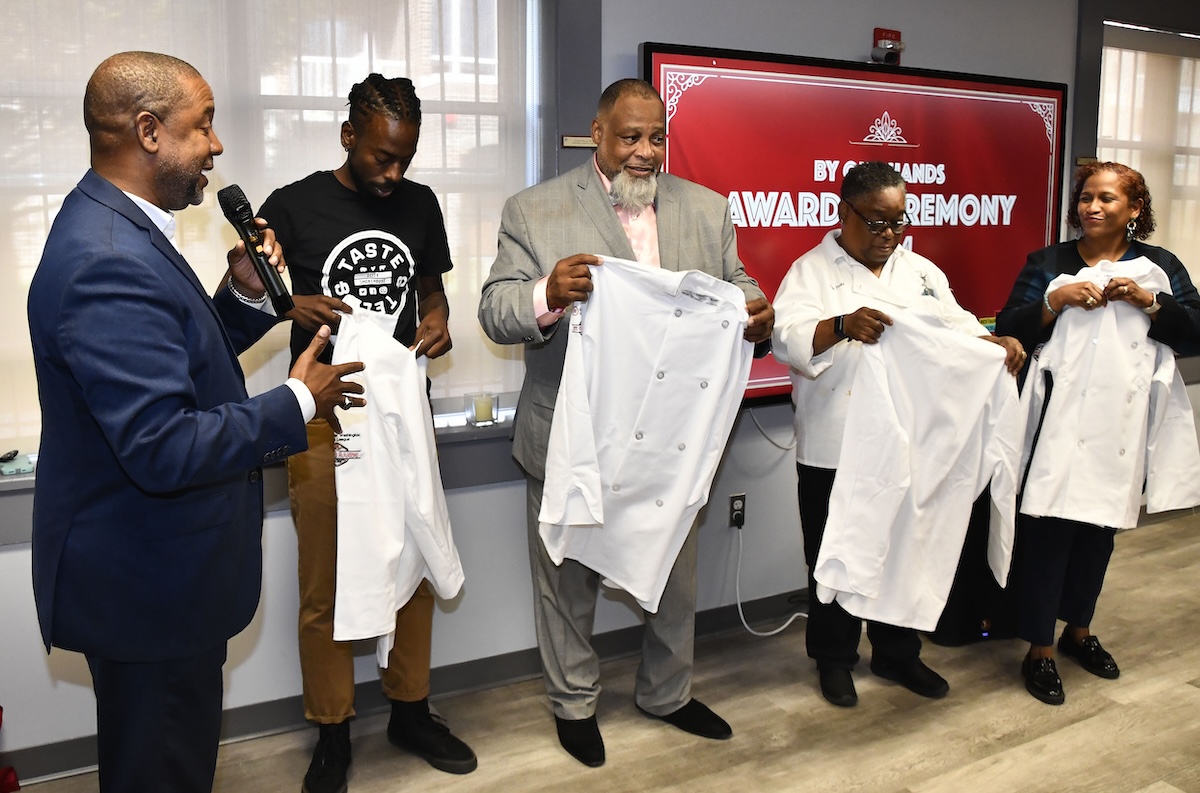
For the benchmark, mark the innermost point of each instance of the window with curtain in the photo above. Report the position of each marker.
(280, 71)
(1150, 120)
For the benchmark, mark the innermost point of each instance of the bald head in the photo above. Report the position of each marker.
(627, 87)
(127, 84)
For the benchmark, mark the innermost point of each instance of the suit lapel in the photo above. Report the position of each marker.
(595, 204)
(108, 194)
(667, 210)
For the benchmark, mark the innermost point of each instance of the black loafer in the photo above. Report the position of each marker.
(837, 686)
(581, 738)
(913, 674)
(698, 719)
(1090, 655)
(1042, 680)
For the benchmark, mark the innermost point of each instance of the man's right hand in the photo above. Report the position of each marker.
(325, 382)
(313, 311)
(570, 280)
(865, 325)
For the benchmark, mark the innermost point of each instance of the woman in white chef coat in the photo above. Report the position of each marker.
(833, 300)
(1062, 548)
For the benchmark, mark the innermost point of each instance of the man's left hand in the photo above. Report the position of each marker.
(433, 336)
(762, 320)
(241, 268)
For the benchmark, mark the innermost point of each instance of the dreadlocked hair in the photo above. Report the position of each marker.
(395, 98)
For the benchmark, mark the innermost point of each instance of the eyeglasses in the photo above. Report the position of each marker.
(877, 227)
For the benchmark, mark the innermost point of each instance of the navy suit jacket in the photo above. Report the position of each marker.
(147, 517)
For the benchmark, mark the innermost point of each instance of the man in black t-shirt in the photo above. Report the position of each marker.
(362, 230)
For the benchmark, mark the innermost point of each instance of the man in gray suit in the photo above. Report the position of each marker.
(615, 205)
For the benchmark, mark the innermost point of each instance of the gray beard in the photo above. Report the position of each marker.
(633, 193)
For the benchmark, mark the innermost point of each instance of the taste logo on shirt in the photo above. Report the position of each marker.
(373, 266)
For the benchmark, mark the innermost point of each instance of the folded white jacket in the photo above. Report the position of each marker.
(1118, 415)
(933, 417)
(656, 365)
(393, 525)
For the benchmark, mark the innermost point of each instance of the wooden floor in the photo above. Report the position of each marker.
(1138, 733)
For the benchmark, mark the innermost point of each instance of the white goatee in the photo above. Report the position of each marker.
(633, 193)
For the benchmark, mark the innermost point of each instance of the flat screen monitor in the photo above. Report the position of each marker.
(982, 157)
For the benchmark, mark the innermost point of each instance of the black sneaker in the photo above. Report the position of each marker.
(414, 729)
(330, 760)
(913, 674)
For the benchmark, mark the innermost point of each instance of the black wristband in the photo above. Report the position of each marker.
(838, 330)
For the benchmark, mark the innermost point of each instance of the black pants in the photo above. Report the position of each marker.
(158, 723)
(1062, 572)
(832, 633)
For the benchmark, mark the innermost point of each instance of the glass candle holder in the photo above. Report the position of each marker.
(481, 408)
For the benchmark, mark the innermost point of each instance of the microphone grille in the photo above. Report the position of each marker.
(234, 203)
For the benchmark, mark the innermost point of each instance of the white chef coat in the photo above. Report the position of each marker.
(393, 527)
(827, 282)
(1118, 415)
(933, 416)
(655, 368)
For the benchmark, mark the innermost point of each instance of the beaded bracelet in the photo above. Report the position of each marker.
(251, 301)
(1046, 303)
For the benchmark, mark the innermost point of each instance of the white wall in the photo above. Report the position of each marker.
(48, 699)
(1028, 39)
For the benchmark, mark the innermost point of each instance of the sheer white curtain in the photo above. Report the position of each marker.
(1150, 121)
(281, 71)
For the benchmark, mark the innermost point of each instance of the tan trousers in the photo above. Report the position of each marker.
(327, 666)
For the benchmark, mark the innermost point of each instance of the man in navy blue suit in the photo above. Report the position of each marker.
(148, 504)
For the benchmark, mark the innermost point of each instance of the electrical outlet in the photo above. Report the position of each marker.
(737, 510)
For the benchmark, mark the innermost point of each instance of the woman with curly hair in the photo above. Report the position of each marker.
(1102, 316)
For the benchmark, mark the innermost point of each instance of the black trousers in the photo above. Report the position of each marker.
(158, 723)
(832, 633)
(1062, 565)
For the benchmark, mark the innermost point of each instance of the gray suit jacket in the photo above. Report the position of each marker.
(572, 214)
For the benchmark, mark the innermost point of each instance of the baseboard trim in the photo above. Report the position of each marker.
(39, 763)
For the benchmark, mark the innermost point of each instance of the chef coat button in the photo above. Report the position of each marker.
(660, 375)
(658, 502)
(682, 446)
(1095, 341)
(1122, 452)
(725, 324)
(1081, 444)
(616, 488)
(679, 312)
(1083, 393)
(704, 384)
(1133, 346)
(638, 436)
(1129, 398)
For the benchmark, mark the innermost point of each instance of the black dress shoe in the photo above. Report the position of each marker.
(1090, 655)
(1042, 680)
(913, 674)
(698, 719)
(414, 729)
(837, 686)
(330, 761)
(581, 738)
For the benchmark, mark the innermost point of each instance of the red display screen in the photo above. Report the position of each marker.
(982, 158)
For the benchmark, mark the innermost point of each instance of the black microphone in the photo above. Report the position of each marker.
(238, 212)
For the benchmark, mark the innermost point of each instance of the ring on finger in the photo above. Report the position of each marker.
(1091, 301)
